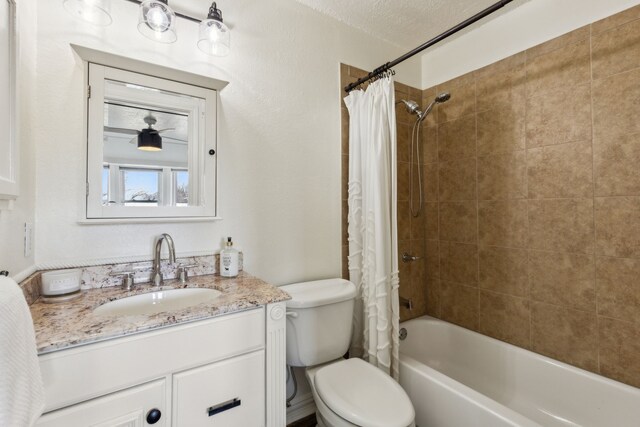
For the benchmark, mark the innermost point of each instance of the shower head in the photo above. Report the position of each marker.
(411, 106)
(439, 99)
(443, 97)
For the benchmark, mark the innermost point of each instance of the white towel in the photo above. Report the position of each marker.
(21, 389)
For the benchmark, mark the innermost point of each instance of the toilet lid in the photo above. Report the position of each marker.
(363, 395)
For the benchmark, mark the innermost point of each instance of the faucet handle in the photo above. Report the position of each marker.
(183, 273)
(127, 278)
(406, 257)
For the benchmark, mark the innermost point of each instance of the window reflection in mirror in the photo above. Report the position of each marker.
(137, 172)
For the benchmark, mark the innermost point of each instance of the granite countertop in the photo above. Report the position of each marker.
(67, 324)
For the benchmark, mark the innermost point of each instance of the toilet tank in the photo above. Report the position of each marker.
(319, 319)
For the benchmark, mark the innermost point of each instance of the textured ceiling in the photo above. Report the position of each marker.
(406, 23)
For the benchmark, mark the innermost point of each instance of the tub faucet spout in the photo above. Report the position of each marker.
(156, 274)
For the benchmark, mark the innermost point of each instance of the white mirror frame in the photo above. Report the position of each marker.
(147, 71)
(9, 187)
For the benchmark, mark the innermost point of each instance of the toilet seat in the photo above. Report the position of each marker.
(363, 395)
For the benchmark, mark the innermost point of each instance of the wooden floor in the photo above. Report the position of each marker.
(309, 421)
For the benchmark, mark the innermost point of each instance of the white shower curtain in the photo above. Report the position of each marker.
(373, 234)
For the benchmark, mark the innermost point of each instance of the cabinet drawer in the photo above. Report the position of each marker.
(228, 393)
(127, 408)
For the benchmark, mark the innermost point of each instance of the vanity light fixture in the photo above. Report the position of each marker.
(157, 21)
(97, 12)
(214, 37)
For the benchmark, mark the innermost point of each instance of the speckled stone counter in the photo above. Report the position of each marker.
(62, 325)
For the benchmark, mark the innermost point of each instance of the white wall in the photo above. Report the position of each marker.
(12, 222)
(527, 25)
(279, 135)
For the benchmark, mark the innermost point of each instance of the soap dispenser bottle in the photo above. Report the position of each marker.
(229, 260)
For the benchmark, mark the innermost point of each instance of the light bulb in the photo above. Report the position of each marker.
(215, 35)
(157, 21)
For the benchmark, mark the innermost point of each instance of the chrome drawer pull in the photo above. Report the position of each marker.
(224, 406)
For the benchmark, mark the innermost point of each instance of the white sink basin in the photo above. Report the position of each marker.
(157, 302)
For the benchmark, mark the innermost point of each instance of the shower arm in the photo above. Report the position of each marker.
(451, 31)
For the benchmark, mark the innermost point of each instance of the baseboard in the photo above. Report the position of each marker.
(304, 406)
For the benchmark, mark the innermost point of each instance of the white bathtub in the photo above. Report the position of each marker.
(459, 378)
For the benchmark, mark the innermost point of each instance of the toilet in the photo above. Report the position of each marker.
(347, 392)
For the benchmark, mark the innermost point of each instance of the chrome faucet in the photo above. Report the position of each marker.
(156, 274)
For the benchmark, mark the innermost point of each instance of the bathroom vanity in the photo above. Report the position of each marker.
(219, 362)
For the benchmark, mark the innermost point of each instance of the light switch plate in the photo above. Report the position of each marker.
(28, 238)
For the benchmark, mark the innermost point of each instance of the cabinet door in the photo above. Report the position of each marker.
(224, 394)
(127, 408)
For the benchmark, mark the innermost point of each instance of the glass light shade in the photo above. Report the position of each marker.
(214, 38)
(157, 21)
(97, 12)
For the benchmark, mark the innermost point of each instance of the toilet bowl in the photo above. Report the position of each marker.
(347, 392)
(351, 392)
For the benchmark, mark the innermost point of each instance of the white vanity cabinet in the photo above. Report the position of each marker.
(203, 373)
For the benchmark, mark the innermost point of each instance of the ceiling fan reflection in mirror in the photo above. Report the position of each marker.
(148, 138)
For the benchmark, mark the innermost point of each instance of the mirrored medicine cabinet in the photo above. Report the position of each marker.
(151, 141)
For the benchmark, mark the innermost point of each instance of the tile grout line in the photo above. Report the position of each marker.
(437, 124)
(593, 187)
(553, 304)
(477, 237)
(526, 162)
(615, 27)
(548, 251)
(599, 79)
(426, 284)
(535, 199)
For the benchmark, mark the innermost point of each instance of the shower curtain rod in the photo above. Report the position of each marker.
(386, 67)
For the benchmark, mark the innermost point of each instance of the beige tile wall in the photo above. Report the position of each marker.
(533, 222)
(411, 231)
